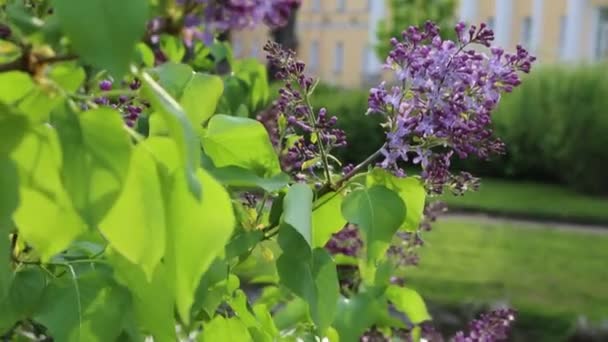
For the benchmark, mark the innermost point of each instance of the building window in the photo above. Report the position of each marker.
(314, 55)
(562, 35)
(601, 51)
(316, 5)
(491, 23)
(341, 5)
(526, 32)
(339, 57)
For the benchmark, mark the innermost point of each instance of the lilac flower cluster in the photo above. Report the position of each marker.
(347, 242)
(206, 18)
(430, 214)
(317, 132)
(402, 252)
(490, 327)
(130, 107)
(443, 102)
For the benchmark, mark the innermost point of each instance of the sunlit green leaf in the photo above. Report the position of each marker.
(179, 128)
(14, 85)
(68, 75)
(173, 77)
(239, 177)
(172, 47)
(152, 299)
(378, 212)
(411, 191)
(200, 97)
(232, 141)
(104, 32)
(327, 218)
(200, 228)
(297, 210)
(409, 302)
(96, 157)
(135, 226)
(45, 216)
(225, 329)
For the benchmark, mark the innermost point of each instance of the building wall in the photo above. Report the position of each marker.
(322, 23)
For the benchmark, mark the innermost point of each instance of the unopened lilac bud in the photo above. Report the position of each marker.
(105, 85)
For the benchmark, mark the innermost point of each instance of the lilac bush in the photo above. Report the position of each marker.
(145, 186)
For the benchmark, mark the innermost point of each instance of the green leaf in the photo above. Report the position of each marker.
(327, 218)
(179, 127)
(200, 228)
(232, 141)
(409, 302)
(13, 128)
(260, 329)
(45, 217)
(26, 291)
(236, 93)
(15, 85)
(255, 74)
(297, 211)
(411, 191)
(135, 226)
(152, 299)
(39, 103)
(145, 55)
(355, 315)
(239, 177)
(172, 47)
(173, 77)
(104, 32)
(311, 275)
(96, 156)
(90, 308)
(243, 243)
(68, 75)
(9, 199)
(200, 97)
(224, 329)
(378, 212)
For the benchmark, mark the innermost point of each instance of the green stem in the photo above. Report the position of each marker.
(313, 121)
(363, 165)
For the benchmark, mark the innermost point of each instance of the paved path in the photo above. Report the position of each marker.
(493, 220)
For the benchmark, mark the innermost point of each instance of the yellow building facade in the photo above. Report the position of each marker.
(336, 37)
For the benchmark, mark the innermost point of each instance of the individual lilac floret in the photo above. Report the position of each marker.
(490, 327)
(105, 85)
(442, 104)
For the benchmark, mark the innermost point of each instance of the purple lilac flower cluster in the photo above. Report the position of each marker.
(317, 132)
(430, 214)
(490, 327)
(130, 107)
(206, 18)
(442, 104)
(402, 251)
(347, 242)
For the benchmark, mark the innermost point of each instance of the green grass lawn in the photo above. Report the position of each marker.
(532, 200)
(550, 276)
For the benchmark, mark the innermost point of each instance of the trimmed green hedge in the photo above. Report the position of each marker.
(555, 127)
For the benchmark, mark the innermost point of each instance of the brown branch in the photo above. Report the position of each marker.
(30, 63)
